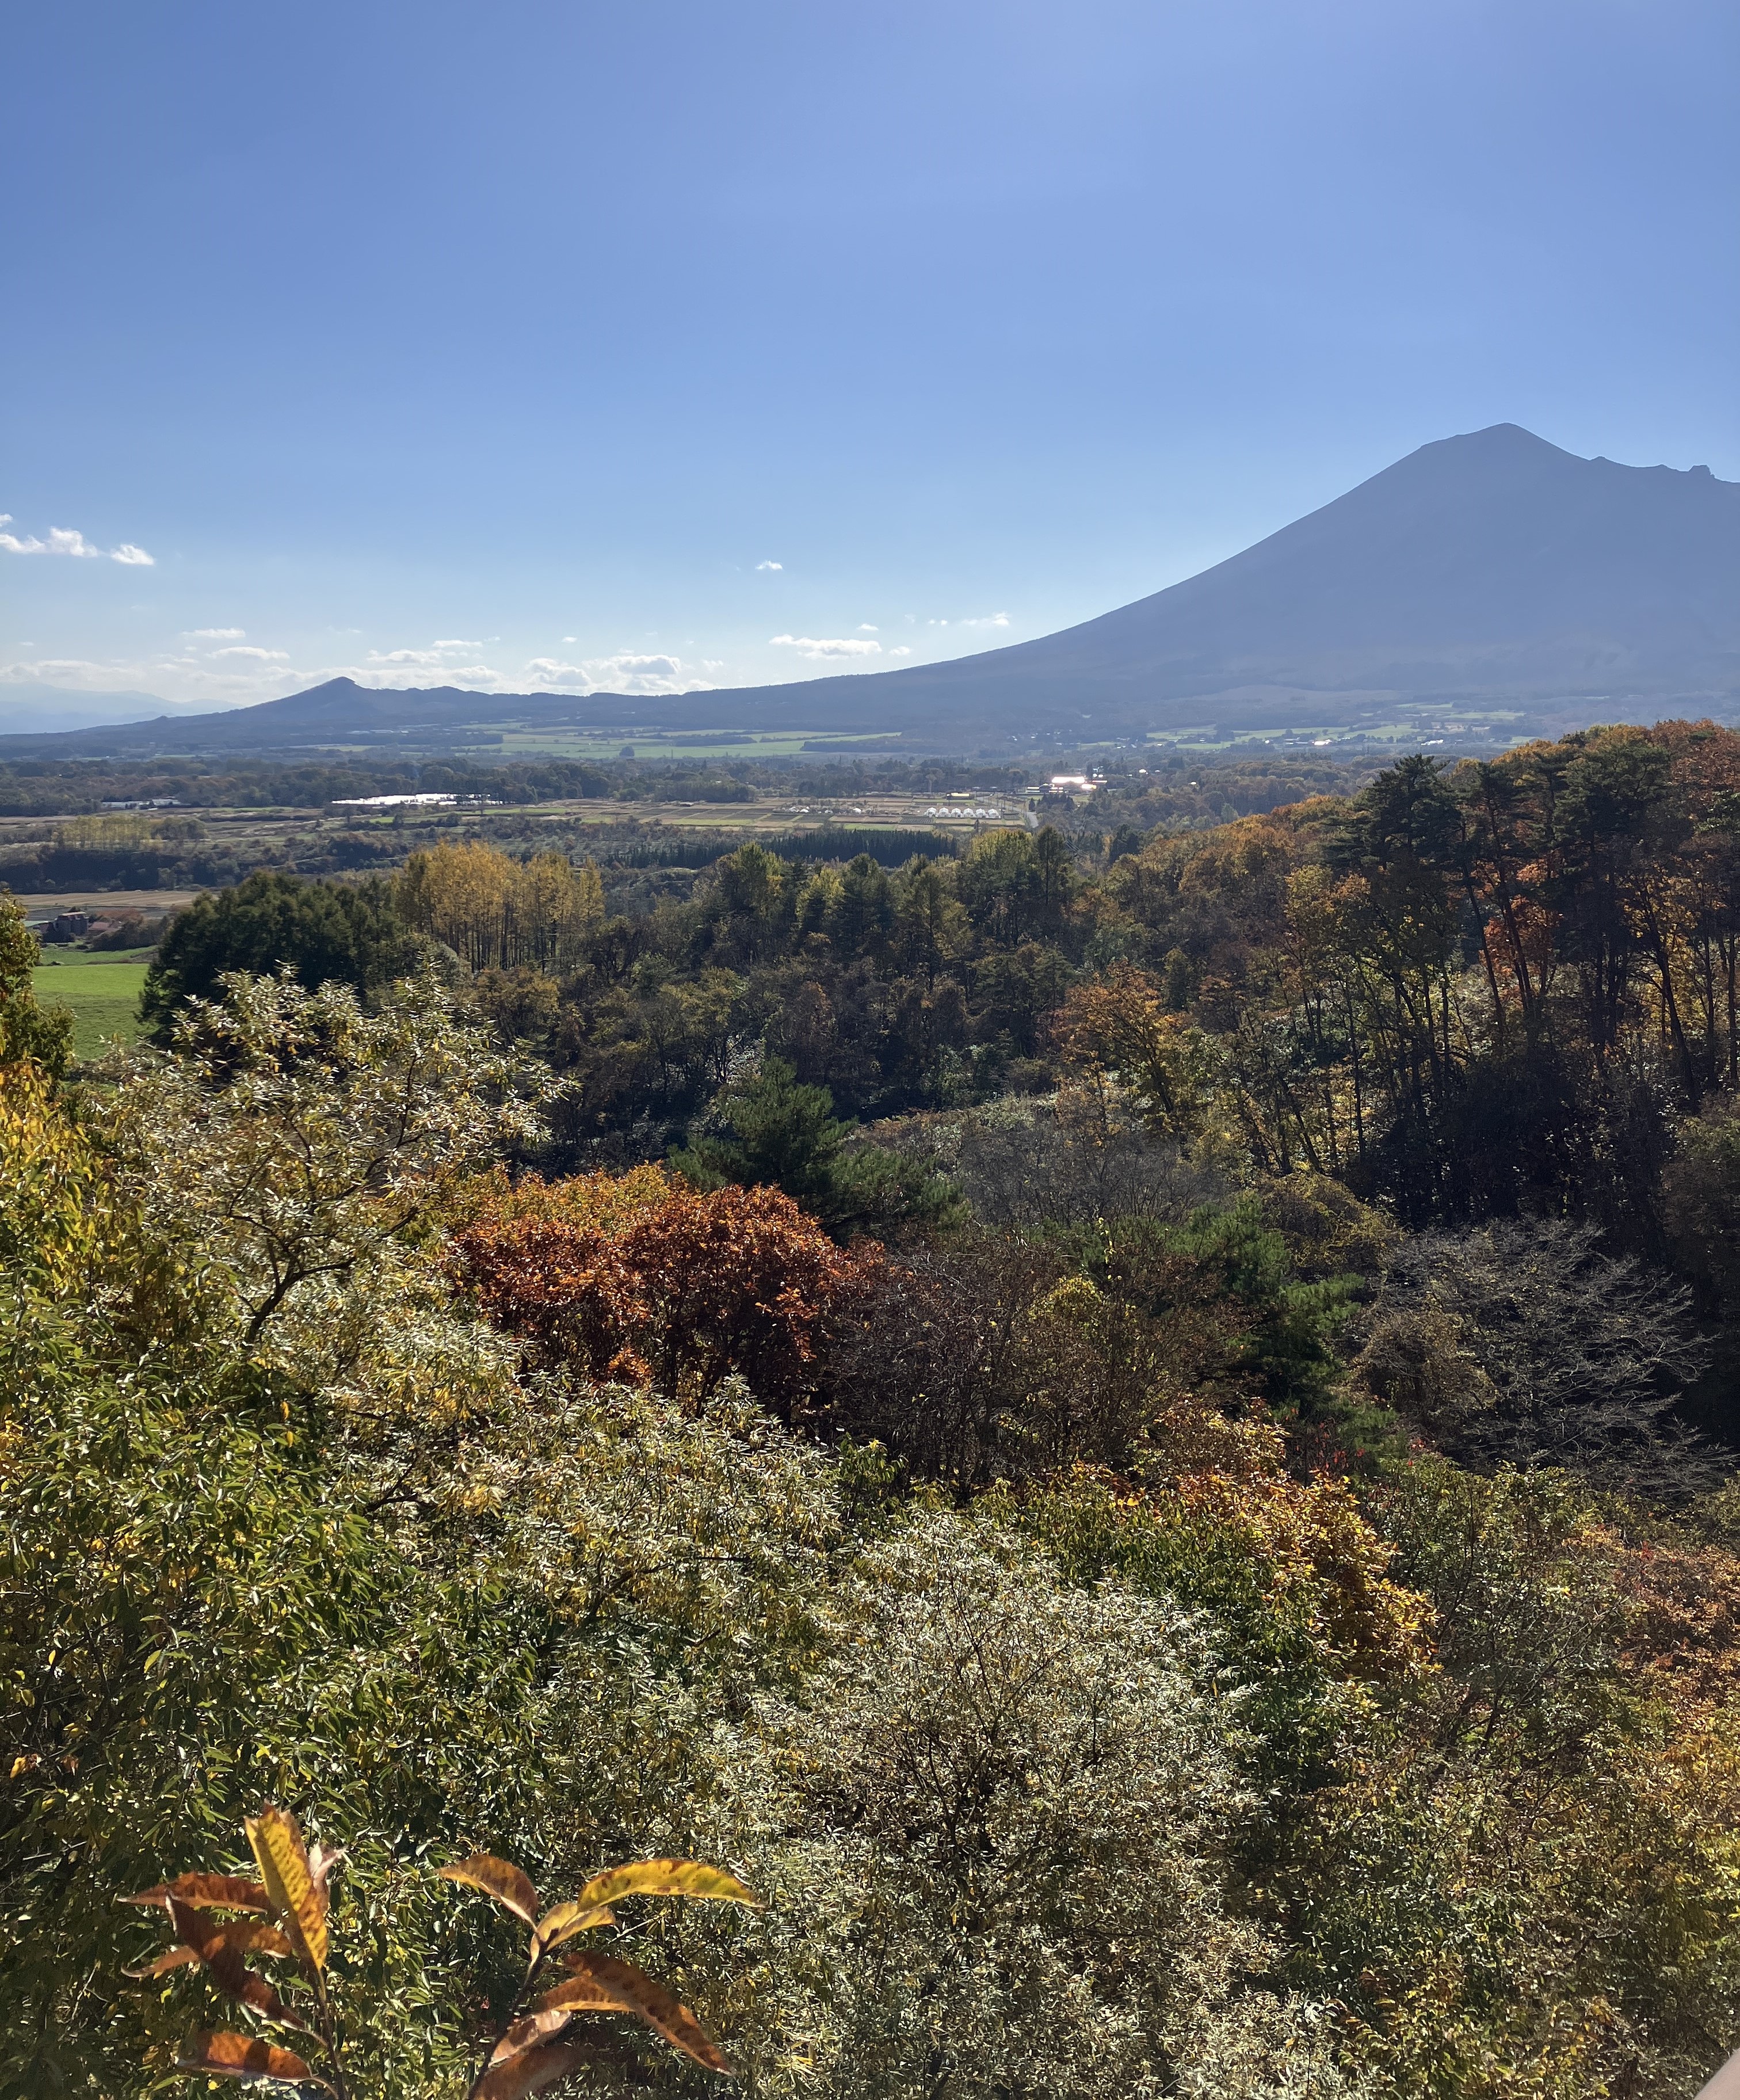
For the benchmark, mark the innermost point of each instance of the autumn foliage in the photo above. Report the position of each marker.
(639, 1276)
(1197, 1610)
(534, 2044)
(499, 913)
(1119, 1027)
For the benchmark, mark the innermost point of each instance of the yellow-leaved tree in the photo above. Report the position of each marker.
(499, 913)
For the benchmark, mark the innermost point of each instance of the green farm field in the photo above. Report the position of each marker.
(102, 990)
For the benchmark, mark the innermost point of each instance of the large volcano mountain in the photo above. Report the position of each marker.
(1488, 575)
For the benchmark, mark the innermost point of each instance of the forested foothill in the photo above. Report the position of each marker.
(1131, 1420)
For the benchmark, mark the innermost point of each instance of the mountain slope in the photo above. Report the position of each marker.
(1491, 571)
(30, 708)
(1495, 558)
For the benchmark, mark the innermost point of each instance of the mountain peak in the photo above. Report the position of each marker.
(1499, 448)
(1506, 436)
(1491, 575)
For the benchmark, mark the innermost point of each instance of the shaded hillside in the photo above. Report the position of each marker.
(1493, 566)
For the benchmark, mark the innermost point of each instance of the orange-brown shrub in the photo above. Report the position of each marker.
(639, 1276)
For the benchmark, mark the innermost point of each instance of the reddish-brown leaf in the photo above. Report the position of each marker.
(247, 1935)
(255, 1936)
(221, 1951)
(635, 1275)
(207, 1892)
(531, 2069)
(510, 1885)
(631, 1990)
(178, 1957)
(245, 2057)
(552, 2012)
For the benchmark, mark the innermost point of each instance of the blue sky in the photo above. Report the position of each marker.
(674, 343)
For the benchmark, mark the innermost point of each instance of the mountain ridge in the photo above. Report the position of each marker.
(1491, 572)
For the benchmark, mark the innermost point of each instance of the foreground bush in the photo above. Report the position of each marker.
(995, 1837)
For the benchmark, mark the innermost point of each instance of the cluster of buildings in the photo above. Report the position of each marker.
(416, 802)
(65, 927)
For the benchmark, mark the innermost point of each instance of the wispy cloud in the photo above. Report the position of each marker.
(438, 657)
(63, 541)
(53, 670)
(824, 650)
(217, 667)
(864, 627)
(629, 671)
(990, 619)
(903, 651)
(769, 565)
(181, 680)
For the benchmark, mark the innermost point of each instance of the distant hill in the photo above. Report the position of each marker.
(35, 708)
(1485, 578)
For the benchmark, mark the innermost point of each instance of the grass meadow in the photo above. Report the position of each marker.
(102, 990)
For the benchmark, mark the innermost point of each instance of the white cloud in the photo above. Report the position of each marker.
(211, 667)
(990, 619)
(62, 540)
(626, 672)
(437, 657)
(864, 627)
(440, 662)
(769, 565)
(57, 542)
(903, 651)
(189, 682)
(53, 669)
(824, 650)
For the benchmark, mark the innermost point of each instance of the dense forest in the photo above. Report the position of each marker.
(1172, 784)
(1134, 1425)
